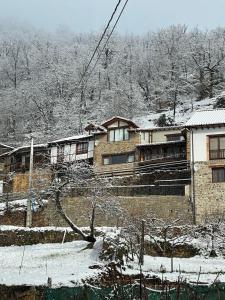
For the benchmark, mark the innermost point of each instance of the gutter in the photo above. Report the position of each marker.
(193, 176)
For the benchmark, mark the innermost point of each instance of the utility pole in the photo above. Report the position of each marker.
(29, 200)
(141, 259)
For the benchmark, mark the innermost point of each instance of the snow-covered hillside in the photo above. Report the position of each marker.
(183, 112)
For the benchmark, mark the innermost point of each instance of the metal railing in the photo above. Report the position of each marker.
(217, 154)
(148, 167)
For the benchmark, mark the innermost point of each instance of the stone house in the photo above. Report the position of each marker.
(115, 145)
(120, 146)
(207, 156)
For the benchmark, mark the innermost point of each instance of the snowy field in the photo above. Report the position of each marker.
(68, 264)
(65, 263)
(185, 268)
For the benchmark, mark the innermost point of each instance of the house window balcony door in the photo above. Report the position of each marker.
(218, 175)
(118, 159)
(60, 154)
(217, 147)
(118, 134)
(82, 148)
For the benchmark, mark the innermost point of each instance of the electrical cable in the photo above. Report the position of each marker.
(110, 34)
(99, 42)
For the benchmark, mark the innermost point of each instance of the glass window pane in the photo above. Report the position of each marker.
(111, 135)
(126, 134)
(121, 135)
(213, 143)
(117, 135)
(131, 158)
(119, 159)
(218, 175)
(106, 161)
(222, 142)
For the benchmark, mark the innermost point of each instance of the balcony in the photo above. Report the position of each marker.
(217, 154)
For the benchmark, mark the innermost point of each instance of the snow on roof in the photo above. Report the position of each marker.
(26, 147)
(207, 117)
(111, 120)
(6, 146)
(165, 128)
(95, 126)
(71, 138)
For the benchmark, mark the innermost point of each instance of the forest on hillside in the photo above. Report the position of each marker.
(46, 88)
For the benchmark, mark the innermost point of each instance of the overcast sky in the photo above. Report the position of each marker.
(139, 17)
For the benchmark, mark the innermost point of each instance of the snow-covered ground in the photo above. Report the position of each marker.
(186, 268)
(67, 264)
(19, 205)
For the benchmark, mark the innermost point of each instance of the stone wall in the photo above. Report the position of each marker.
(136, 190)
(78, 209)
(20, 181)
(20, 236)
(18, 218)
(103, 147)
(209, 196)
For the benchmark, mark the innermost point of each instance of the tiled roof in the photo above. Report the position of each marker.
(207, 117)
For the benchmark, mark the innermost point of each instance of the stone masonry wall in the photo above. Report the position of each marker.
(166, 207)
(20, 181)
(209, 196)
(103, 147)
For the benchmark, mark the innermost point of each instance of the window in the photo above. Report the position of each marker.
(218, 175)
(60, 153)
(146, 137)
(82, 148)
(174, 137)
(118, 134)
(118, 159)
(217, 147)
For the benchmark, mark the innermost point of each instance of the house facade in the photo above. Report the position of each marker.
(162, 145)
(71, 149)
(17, 162)
(4, 149)
(115, 146)
(207, 156)
(119, 146)
(123, 147)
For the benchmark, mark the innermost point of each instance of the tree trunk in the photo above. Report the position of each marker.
(92, 221)
(88, 238)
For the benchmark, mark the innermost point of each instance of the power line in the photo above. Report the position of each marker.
(99, 42)
(110, 34)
